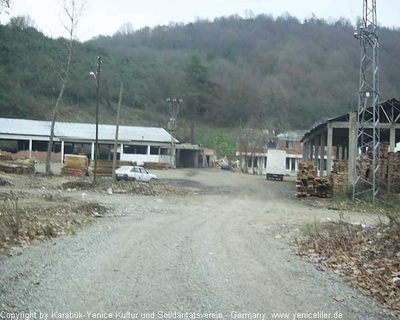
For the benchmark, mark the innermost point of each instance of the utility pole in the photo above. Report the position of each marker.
(173, 111)
(368, 124)
(96, 151)
(192, 131)
(116, 133)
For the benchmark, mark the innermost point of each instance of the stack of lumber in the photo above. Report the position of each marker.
(340, 167)
(306, 170)
(305, 179)
(5, 157)
(75, 165)
(365, 167)
(323, 187)
(17, 166)
(340, 176)
(156, 165)
(384, 160)
(394, 171)
(218, 162)
(301, 190)
(308, 185)
(384, 149)
(104, 167)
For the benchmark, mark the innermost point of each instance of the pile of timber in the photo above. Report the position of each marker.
(5, 157)
(309, 185)
(323, 187)
(75, 165)
(394, 172)
(156, 165)
(340, 168)
(17, 166)
(384, 160)
(340, 176)
(305, 179)
(104, 167)
(383, 163)
(306, 170)
(219, 162)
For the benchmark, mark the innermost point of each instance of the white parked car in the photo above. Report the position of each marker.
(134, 173)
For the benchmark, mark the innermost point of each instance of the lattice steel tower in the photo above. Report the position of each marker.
(368, 129)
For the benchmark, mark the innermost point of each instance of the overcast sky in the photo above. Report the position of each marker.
(106, 16)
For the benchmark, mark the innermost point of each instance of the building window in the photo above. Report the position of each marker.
(164, 151)
(293, 164)
(271, 144)
(135, 149)
(249, 162)
(289, 144)
(287, 163)
(154, 150)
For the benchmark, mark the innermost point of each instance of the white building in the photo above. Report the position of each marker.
(140, 144)
(253, 151)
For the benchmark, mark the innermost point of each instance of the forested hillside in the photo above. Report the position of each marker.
(278, 73)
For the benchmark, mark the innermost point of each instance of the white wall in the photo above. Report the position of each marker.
(141, 158)
(261, 170)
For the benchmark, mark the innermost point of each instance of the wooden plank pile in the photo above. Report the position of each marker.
(340, 176)
(384, 160)
(309, 185)
(5, 157)
(17, 166)
(305, 179)
(393, 179)
(306, 170)
(156, 165)
(104, 167)
(340, 168)
(75, 165)
(218, 162)
(323, 187)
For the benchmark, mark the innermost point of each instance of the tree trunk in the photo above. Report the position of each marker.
(73, 18)
(53, 123)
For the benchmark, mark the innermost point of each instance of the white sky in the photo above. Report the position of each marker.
(106, 16)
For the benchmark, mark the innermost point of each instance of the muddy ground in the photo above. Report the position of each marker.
(223, 248)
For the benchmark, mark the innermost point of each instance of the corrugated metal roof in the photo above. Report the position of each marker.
(82, 131)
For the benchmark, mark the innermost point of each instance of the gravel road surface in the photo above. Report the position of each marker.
(225, 252)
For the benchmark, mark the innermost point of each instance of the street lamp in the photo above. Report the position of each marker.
(96, 150)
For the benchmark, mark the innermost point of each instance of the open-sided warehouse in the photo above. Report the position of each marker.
(137, 144)
(336, 139)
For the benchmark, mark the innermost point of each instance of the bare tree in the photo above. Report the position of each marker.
(126, 29)
(22, 22)
(72, 10)
(250, 143)
(4, 5)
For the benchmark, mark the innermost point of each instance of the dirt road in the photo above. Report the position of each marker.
(225, 252)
